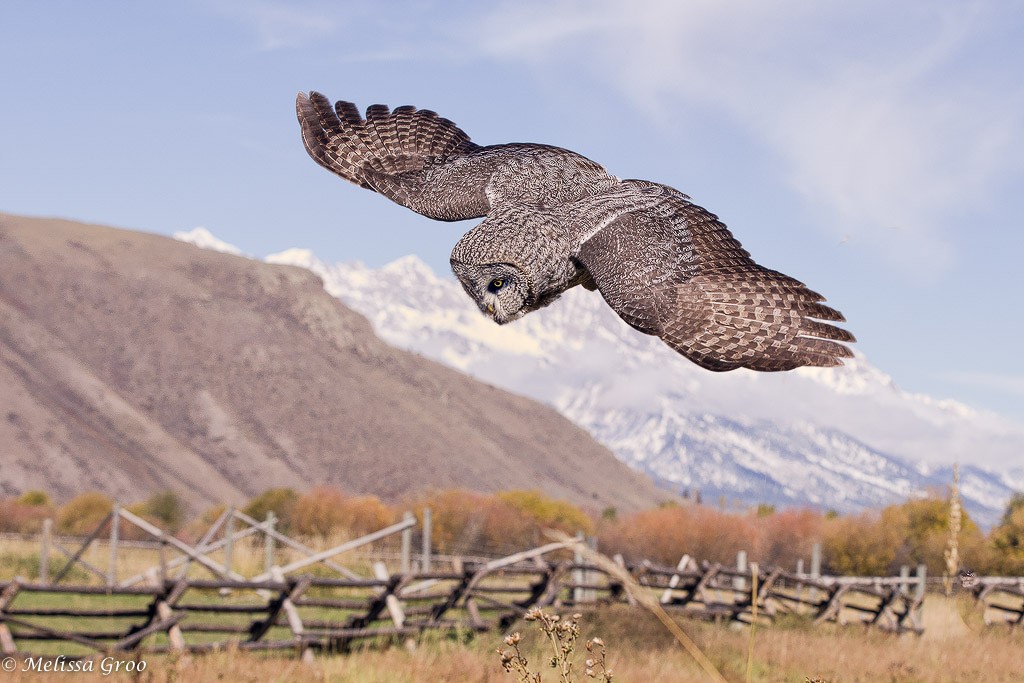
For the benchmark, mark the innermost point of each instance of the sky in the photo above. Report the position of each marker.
(874, 150)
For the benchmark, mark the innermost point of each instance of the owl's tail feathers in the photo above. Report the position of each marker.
(384, 143)
(758, 319)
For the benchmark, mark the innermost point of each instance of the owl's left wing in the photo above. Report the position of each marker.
(675, 271)
(412, 156)
(428, 164)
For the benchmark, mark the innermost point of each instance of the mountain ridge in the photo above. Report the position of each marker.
(133, 362)
(819, 424)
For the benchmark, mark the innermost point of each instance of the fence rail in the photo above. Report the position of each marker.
(309, 614)
(165, 609)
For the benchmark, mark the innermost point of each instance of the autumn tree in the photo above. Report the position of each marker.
(165, 509)
(859, 545)
(549, 513)
(280, 501)
(83, 513)
(1007, 539)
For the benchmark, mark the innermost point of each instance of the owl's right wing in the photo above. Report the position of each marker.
(675, 271)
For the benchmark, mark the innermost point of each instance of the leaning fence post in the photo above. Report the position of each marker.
(427, 522)
(115, 532)
(268, 542)
(229, 540)
(44, 552)
(406, 545)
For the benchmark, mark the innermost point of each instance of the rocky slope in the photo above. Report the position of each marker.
(131, 363)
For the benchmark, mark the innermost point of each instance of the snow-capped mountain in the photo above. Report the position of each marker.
(845, 438)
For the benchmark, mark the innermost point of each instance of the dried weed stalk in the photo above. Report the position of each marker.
(644, 598)
(561, 635)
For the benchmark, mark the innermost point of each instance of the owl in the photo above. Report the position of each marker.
(553, 220)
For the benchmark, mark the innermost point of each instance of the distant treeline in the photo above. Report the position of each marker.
(466, 522)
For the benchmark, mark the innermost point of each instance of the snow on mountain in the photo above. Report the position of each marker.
(201, 237)
(845, 438)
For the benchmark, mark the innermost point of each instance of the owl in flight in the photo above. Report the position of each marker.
(554, 219)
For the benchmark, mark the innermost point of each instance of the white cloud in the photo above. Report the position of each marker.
(1010, 384)
(280, 25)
(883, 131)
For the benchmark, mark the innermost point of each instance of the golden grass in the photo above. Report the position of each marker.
(956, 647)
(641, 649)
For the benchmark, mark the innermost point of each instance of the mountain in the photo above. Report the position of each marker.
(845, 439)
(131, 363)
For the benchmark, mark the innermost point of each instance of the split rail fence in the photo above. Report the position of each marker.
(165, 609)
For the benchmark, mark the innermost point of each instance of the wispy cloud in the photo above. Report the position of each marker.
(278, 25)
(1009, 384)
(884, 125)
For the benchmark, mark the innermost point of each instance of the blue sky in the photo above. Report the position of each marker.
(874, 150)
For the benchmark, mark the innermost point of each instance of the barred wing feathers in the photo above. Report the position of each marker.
(676, 272)
(412, 156)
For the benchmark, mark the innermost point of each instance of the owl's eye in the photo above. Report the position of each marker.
(496, 284)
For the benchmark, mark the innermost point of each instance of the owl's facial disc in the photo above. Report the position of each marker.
(500, 290)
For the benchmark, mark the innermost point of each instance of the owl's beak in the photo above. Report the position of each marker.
(490, 308)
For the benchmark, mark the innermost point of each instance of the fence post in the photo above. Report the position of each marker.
(741, 567)
(800, 585)
(578, 575)
(406, 545)
(163, 560)
(427, 522)
(115, 532)
(268, 542)
(816, 560)
(44, 552)
(922, 578)
(904, 579)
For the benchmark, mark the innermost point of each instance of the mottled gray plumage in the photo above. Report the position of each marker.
(554, 219)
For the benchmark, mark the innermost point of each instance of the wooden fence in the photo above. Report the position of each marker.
(1002, 599)
(165, 609)
(309, 613)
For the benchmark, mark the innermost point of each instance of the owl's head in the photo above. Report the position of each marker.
(501, 290)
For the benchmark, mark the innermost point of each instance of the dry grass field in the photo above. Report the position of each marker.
(955, 648)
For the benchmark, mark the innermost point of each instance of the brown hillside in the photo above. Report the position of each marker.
(131, 362)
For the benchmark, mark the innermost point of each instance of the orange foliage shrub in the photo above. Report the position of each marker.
(667, 533)
(787, 536)
(325, 511)
(466, 522)
(24, 515)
